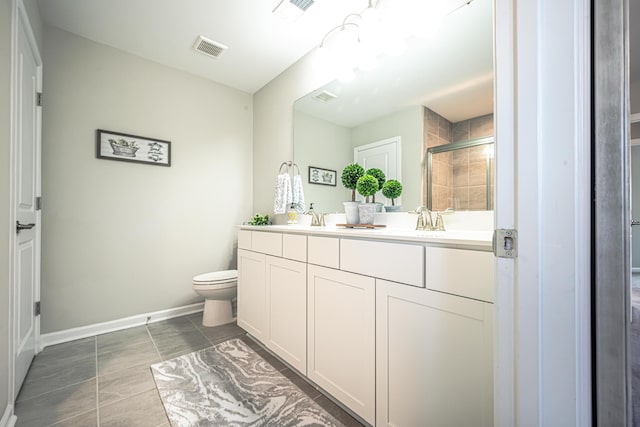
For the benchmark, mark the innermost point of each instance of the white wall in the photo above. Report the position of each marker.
(273, 124)
(5, 79)
(325, 145)
(124, 238)
(408, 124)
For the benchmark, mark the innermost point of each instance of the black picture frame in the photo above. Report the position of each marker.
(125, 147)
(322, 176)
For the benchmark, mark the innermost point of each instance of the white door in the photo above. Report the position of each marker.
(384, 155)
(26, 177)
(252, 299)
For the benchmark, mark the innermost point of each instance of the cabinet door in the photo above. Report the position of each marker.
(434, 360)
(341, 337)
(252, 299)
(287, 310)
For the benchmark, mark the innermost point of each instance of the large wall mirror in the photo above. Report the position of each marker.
(439, 91)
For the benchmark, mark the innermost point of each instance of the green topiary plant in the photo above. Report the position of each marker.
(392, 189)
(379, 175)
(350, 176)
(367, 186)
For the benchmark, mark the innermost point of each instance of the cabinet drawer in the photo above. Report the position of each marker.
(294, 246)
(267, 243)
(244, 239)
(398, 262)
(324, 251)
(460, 272)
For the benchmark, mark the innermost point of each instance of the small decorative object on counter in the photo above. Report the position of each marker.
(292, 215)
(367, 186)
(392, 189)
(381, 177)
(350, 175)
(259, 220)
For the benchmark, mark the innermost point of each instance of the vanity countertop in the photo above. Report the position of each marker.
(465, 239)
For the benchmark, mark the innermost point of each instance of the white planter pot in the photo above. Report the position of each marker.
(351, 212)
(367, 212)
(396, 208)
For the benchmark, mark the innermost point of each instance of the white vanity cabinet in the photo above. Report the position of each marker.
(272, 293)
(341, 337)
(286, 301)
(252, 293)
(400, 332)
(433, 358)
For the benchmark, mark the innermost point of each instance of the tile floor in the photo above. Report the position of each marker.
(106, 381)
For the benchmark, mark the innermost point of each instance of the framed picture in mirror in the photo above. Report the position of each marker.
(322, 176)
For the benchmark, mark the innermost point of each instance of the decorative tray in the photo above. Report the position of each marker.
(361, 225)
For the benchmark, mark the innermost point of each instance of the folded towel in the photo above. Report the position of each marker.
(283, 197)
(298, 194)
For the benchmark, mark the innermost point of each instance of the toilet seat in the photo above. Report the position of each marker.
(216, 278)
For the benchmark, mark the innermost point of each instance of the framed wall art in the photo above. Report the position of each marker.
(132, 148)
(322, 176)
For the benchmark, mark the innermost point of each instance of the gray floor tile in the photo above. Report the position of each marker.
(183, 343)
(121, 340)
(124, 383)
(45, 380)
(88, 419)
(57, 405)
(142, 354)
(222, 333)
(144, 409)
(171, 326)
(62, 356)
(196, 318)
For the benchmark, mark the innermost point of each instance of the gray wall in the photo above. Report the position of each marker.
(408, 124)
(120, 238)
(273, 124)
(5, 80)
(322, 144)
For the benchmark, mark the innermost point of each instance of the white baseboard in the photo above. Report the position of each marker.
(8, 419)
(116, 325)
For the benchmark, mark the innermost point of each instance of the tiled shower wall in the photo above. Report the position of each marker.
(459, 177)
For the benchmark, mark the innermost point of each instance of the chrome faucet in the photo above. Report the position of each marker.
(317, 220)
(424, 219)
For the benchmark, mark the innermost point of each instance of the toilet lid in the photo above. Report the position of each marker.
(216, 276)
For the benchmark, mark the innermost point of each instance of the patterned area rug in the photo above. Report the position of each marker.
(229, 384)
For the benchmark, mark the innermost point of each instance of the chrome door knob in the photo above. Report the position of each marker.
(20, 227)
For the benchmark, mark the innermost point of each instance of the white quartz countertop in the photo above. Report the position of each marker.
(468, 239)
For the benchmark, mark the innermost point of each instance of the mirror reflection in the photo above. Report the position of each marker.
(460, 175)
(439, 92)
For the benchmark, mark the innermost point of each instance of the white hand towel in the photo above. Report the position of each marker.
(298, 194)
(283, 196)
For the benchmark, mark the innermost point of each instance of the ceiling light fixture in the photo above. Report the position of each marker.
(383, 27)
(291, 10)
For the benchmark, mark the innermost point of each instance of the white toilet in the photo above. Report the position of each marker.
(218, 288)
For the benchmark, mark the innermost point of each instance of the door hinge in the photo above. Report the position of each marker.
(39, 99)
(36, 308)
(505, 243)
(39, 203)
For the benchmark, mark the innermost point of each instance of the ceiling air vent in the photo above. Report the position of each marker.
(325, 96)
(209, 47)
(302, 4)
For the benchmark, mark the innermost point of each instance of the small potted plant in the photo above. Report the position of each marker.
(367, 187)
(350, 176)
(379, 175)
(392, 189)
